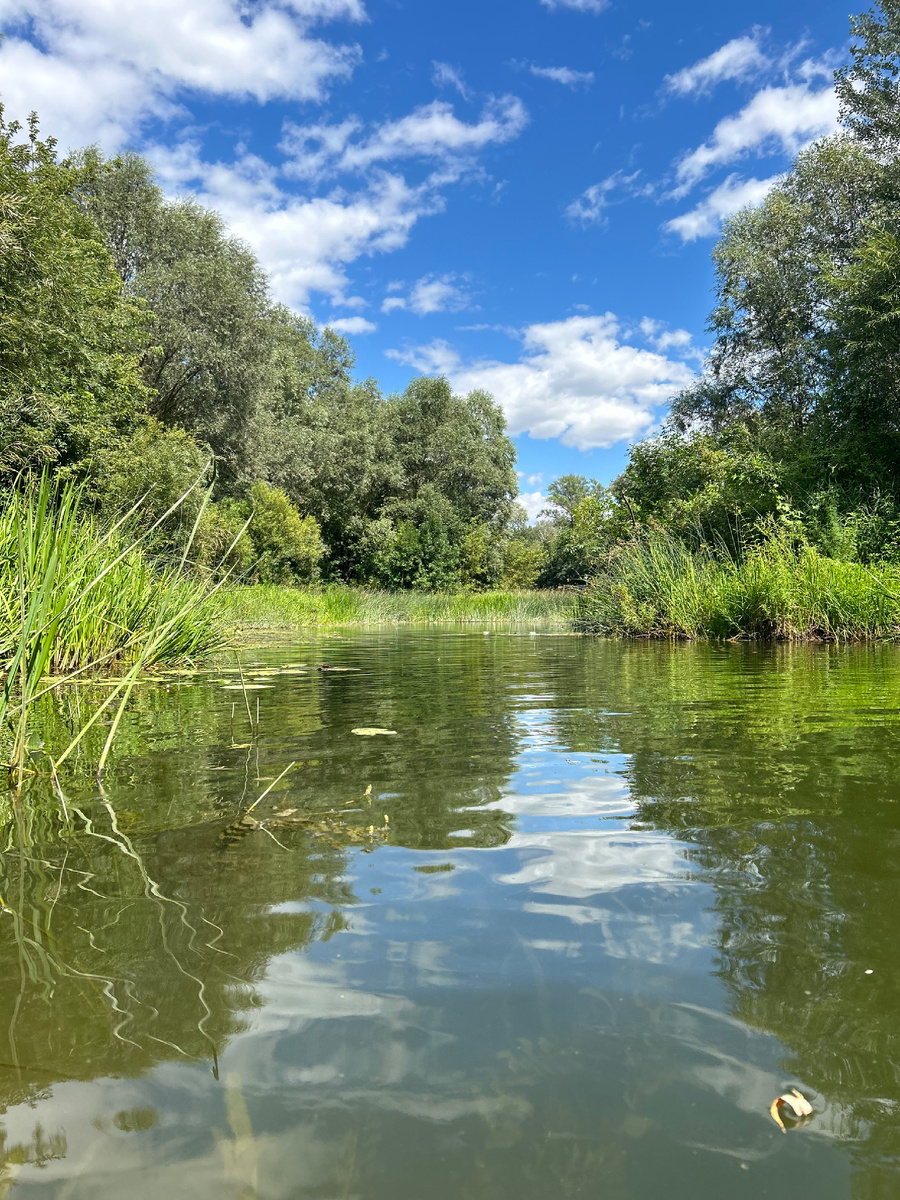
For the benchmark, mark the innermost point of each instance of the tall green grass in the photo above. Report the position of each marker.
(658, 588)
(76, 598)
(270, 607)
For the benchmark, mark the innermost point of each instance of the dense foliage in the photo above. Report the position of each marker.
(141, 353)
(787, 446)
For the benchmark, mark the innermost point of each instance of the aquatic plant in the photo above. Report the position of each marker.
(657, 587)
(77, 598)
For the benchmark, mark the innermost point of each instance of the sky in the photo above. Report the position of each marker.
(521, 195)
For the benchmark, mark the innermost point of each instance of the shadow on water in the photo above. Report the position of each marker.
(568, 930)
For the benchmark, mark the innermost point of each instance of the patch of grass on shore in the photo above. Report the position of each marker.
(658, 588)
(271, 607)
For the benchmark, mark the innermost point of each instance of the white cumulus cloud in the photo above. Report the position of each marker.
(97, 69)
(577, 379)
(305, 243)
(430, 294)
(777, 119)
(724, 201)
(352, 325)
(564, 75)
(738, 59)
(432, 131)
(533, 503)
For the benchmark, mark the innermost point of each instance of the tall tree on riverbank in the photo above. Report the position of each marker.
(804, 370)
(69, 338)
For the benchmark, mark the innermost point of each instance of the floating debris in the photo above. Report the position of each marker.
(367, 731)
(791, 1110)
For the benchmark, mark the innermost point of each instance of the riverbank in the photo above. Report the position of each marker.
(268, 607)
(658, 588)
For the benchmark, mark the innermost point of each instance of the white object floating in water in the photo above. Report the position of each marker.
(869, 972)
(372, 732)
(795, 1107)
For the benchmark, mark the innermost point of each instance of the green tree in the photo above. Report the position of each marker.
(208, 355)
(69, 382)
(864, 399)
(717, 487)
(868, 88)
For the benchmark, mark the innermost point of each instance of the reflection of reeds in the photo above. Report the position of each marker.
(268, 606)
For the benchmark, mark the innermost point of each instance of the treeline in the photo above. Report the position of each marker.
(788, 443)
(140, 350)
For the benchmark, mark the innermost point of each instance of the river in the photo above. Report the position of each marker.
(566, 928)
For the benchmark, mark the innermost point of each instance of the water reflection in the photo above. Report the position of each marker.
(613, 899)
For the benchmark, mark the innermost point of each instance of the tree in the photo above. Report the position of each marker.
(69, 380)
(707, 487)
(864, 400)
(208, 355)
(869, 89)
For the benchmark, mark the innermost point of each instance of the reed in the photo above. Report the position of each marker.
(659, 588)
(263, 607)
(78, 598)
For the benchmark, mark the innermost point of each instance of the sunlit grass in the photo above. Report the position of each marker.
(77, 598)
(271, 607)
(658, 588)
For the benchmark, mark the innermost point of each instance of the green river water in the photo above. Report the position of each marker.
(603, 903)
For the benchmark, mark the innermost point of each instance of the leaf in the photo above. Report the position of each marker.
(366, 731)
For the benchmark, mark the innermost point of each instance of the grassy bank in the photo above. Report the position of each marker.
(657, 588)
(263, 607)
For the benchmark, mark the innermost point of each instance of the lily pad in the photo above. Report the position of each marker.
(371, 731)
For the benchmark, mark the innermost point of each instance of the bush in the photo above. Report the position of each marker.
(288, 546)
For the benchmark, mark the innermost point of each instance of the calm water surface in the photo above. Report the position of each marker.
(601, 905)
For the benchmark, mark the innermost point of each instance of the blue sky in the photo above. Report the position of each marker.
(521, 195)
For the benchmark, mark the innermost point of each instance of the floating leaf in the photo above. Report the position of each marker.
(791, 1105)
(372, 732)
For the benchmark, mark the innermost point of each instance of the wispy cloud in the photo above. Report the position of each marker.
(564, 75)
(729, 197)
(590, 207)
(430, 294)
(443, 75)
(430, 131)
(436, 358)
(585, 6)
(741, 58)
